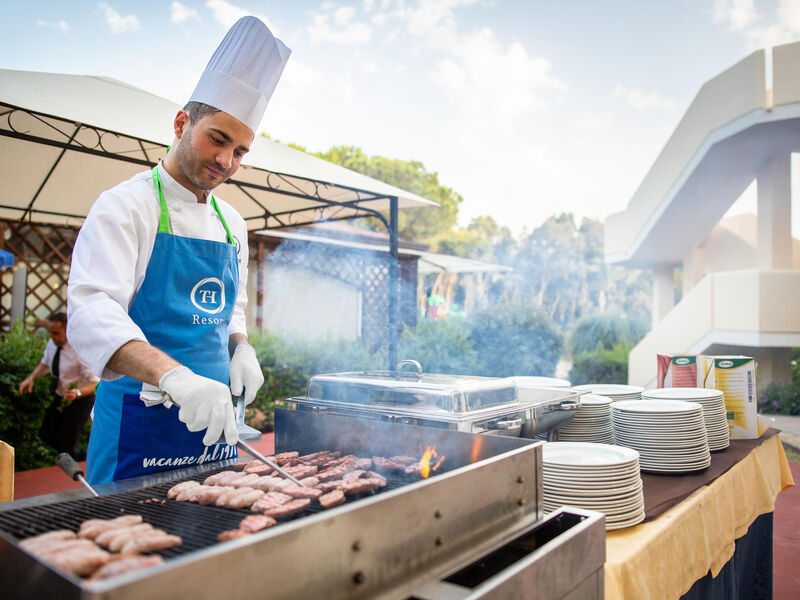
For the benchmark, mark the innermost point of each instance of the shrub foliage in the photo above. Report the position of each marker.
(604, 331)
(601, 366)
(21, 416)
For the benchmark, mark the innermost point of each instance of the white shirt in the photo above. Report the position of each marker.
(113, 250)
(71, 368)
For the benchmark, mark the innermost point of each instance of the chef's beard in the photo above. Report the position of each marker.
(193, 168)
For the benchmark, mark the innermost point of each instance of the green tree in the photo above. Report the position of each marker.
(414, 224)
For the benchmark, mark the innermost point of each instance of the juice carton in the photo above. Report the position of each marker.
(735, 376)
(677, 370)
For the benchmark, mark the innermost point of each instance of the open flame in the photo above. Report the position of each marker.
(477, 444)
(430, 461)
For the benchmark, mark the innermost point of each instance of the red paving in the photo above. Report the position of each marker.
(786, 540)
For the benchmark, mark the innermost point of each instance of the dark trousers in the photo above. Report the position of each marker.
(62, 429)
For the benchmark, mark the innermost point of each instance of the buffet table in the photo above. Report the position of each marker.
(664, 557)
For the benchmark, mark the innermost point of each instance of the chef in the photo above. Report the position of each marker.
(157, 286)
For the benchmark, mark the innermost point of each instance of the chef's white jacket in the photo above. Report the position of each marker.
(111, 254)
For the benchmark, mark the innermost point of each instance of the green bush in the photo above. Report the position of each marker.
(289, 364)
(440, 346)
(514, 340)
(780, 398)
(604, 331)
(601, 366)
(21, 416)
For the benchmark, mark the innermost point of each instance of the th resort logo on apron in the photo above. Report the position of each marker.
(208, 296)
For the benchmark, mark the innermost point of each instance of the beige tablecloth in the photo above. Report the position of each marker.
(664, 557)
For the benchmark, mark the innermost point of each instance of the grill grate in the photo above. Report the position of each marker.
(197, 524)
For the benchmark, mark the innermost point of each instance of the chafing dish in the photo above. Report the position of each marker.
(457, 402)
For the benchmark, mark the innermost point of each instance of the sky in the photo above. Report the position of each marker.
(525, 108)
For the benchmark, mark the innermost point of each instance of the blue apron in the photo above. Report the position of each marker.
(183, 307)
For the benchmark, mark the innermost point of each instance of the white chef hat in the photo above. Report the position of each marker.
(243, 72)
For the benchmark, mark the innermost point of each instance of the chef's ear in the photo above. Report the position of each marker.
(181, 123)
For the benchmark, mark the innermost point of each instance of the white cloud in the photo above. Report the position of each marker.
(117, 22)
(594, 121)
(489, 84)
(226, 14)
(760, 31)
(735, 14)
(343, 15)
(180, 13)
(644, 99)
(343, 31)
(789, 14)
(298, 82)
(61, 26)
(369, 66)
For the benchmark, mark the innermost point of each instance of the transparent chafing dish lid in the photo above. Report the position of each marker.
(411, 388)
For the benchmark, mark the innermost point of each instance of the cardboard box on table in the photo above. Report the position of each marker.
(677, 370)
(734, 376)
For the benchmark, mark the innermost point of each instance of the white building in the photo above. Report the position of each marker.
(740, 294)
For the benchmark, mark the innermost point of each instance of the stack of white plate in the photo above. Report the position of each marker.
(594, 477)
(591, 423)
(713, 402)
(670, 435)
(613, 391)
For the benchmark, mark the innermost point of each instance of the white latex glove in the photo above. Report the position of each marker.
(204, 404)
(245, 373)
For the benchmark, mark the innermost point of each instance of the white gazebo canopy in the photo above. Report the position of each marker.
(66, 138)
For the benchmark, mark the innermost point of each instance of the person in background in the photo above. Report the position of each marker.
(157, 284)
(72, 384)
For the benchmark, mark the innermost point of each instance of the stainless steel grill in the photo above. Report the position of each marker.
(197, 525)
(386, 545)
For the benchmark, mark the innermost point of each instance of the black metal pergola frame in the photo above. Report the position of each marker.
(321, 205)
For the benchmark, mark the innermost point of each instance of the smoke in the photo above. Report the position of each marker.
(327, 290)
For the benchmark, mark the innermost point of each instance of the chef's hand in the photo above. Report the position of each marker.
(204, 404)
(245, 372)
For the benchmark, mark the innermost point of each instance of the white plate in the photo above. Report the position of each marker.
(594, 401)
(606, 389)
(690, 394)
(656, 425)
(656, 406)
(613, 491)
(586, 475)
(629, 523)
(676, 470)
(599, 496)
(586, 454)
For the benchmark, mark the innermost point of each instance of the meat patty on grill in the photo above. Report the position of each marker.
(331, 499)
(288, 509)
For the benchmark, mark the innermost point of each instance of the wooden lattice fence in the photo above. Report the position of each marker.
(46, 251)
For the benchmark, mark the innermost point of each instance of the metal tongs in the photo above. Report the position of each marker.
(247, 433)
(73, 470)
